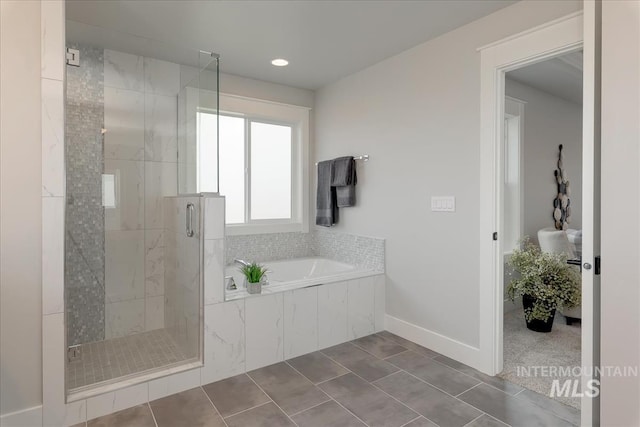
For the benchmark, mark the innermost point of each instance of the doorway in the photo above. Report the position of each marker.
(565, 35)
(542, 165)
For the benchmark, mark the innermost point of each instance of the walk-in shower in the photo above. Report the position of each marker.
(133, 291)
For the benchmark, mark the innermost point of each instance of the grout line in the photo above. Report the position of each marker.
(463, 373)
(397, 400)
(312, 385)
(333, 378)
(299, 373)
(509, 396)
(311, 407)
(278, 406)
(397, 354)
(345, 408)
(415, 419)
(363, 349)
(435, 359)
(433, 356)
(470, 388)
(248, 409)
(469, 423)
(540, 407)
(458, 371)
(439, 389)
(500, 421)
(214, 406)
(152, 415)
(335, 400)
(496, 388)
(387, 376)
(368, 382)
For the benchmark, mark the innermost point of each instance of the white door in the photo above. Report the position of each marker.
(590, 405)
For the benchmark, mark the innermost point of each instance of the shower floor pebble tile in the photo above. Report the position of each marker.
(105, 360)
(297, 393)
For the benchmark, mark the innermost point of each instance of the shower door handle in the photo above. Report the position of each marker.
(189, 220)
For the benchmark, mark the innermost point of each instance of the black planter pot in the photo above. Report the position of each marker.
(536, 324)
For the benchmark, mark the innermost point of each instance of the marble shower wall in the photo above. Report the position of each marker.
(140, 150)
(84, 220)
(115, 253)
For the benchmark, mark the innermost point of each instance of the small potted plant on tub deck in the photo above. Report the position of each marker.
(545, 282)
(254, 276)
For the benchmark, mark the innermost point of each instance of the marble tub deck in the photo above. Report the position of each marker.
(377, 380)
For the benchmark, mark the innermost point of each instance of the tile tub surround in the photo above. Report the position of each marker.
(316, 390)
(268, 247)
(250, 333)
(296, 273)
(366, 252)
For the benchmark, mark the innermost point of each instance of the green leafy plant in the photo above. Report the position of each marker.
(253, 272)
(545, 277)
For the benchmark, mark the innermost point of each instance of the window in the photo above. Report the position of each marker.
(262, 164)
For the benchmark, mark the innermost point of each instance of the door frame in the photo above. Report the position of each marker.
(549, 40)
(519, 106)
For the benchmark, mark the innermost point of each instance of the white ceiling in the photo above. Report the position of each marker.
(323, 40)
(560, 76)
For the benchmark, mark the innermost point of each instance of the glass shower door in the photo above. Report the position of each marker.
(133, 291)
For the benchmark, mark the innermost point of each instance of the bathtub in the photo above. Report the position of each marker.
(297, 273)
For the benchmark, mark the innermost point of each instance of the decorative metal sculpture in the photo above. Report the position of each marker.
(562, 203)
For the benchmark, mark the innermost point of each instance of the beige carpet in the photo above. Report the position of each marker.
(525, 348)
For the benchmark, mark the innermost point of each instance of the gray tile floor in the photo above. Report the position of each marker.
(118, 357)
(379, 380)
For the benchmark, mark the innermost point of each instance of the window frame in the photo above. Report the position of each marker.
(269, 112)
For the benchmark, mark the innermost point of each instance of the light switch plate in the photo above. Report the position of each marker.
(443, 204)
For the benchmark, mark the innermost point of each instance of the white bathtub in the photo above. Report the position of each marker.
(297, 273)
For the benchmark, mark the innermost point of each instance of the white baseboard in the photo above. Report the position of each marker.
(30, 417)
(446, 346)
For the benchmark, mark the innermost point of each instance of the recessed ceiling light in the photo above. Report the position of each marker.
(280, 62)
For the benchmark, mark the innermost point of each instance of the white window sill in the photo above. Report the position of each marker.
(246, 229)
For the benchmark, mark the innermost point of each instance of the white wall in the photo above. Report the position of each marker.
(548, 122)
(20, 198)
(417, 116)
(251, 88)
(620, 295)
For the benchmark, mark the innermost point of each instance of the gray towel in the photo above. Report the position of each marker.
(326, 206)
(344, 178)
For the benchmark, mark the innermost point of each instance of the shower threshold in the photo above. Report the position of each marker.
(107, 365)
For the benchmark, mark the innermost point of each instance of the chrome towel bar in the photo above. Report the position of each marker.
(364, 157)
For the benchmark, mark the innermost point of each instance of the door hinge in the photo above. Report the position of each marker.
(73, 57)
(73, 353)
(597, 266)
(495, 235)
